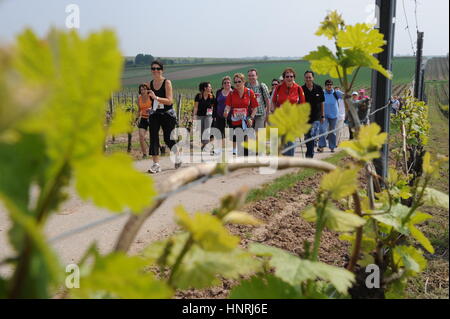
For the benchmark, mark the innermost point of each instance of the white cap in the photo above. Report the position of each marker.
(355, 93)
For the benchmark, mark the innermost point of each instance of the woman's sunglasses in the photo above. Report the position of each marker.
(156, 69)
(237, 82)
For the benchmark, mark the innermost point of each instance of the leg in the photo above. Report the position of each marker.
(323, 129)
(154, 125)
(310, 144)
(142, 141)
(168, 124)
(332, 136)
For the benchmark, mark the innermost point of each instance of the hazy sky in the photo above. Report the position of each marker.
(225, 28)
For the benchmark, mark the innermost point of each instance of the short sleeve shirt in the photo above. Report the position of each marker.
(205, 105)
(331, 106)
(262, 93)
(315, 98)
(240, 105)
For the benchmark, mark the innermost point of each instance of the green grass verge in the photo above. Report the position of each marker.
(286, 181)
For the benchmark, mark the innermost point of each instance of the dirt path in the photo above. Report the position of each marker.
(76, 213)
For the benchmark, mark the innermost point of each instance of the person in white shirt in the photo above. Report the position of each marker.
(341, 119)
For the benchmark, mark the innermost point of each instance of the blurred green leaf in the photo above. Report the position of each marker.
(264, 287)
(291, 120)
(295, 271)
(207, 231)
(112, 182)
(119, 276)
(340, 183)
(335, 219)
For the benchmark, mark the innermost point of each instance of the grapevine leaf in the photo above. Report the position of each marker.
(121, 122)
(331, 25)
(200, 268)
(394, 218)
(410, 258)
(361, 36)
(367, 145)
(207, 231)
(368, 244)
(21, 163)
(264, 287)
(434, 197)
(241, 218)
(336, 219)
(45, 270)
(295, 271)
(111, 182)
(340, 182)
(291, 120)
(420, 237)
(120, 276)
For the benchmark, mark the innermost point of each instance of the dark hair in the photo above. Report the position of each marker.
(157, 62)
(329, 81)
(308, 71)
(290, 70)
(276, 80)
(141, 86)
(252, 70)
(202, 86)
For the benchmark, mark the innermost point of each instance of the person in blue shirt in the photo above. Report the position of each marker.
(331, 107)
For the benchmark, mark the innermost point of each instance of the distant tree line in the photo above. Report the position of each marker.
(147, 59)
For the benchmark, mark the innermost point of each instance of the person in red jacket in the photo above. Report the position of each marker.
(242, 104)
(289, 91)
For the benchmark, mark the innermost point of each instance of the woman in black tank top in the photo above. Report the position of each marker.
(162, 114)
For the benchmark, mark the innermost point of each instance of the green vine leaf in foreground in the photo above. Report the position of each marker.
(367, 145)
(78, 76)
(340, 183)
(355, 48)
(395, 220)
(410, 258)
(207, 231)
(120, 276)
(291, 120)
(265, 287)
(335, 219)
(295, 271)
(200, 268)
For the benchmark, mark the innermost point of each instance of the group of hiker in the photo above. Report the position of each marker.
(242, 103)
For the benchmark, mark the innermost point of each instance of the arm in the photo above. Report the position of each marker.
(194, 116)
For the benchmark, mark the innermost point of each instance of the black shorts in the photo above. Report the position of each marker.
(220, 123)
(143, 123)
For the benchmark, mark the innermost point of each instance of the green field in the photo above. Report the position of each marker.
(403, 69)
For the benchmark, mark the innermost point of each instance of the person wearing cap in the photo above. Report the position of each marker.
(331, 109)
(363, 107)
(361, 103)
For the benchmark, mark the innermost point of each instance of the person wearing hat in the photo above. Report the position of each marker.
(362, 95)
(363, 107)
(331, 113)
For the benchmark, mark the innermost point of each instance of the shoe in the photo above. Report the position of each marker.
(320, 149)
(332, 150)
(156, 168)
(144, 156)
(234, 151)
